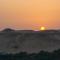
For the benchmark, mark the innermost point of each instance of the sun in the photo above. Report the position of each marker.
(42, 28)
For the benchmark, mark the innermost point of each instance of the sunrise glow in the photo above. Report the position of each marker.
(42, 28)
(29, 14)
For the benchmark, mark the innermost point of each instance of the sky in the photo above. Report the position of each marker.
(30, 14)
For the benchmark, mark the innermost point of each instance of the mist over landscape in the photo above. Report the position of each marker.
(14, 41)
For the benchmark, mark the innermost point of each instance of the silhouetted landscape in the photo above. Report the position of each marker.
(42, 55)
(29, 44)
(29, 29)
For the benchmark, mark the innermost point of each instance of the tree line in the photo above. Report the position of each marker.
(42, 55)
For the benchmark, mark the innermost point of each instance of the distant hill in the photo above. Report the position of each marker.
(8, 30)
(29, 41)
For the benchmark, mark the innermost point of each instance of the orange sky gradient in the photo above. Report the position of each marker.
(30, 14)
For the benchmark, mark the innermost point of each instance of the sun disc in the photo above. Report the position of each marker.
(42, 28)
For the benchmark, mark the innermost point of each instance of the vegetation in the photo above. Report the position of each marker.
(42, 55)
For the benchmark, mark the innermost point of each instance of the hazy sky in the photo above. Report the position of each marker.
(29, 14)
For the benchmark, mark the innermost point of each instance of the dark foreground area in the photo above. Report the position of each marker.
(30, 41)
(42, 55)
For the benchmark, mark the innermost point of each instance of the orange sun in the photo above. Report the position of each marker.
(42, 28)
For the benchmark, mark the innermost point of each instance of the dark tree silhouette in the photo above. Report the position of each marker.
(42, 55)
(8, 30)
